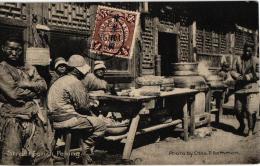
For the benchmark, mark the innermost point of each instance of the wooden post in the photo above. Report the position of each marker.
(156, 45)
(83, 152)
(92, 16)
(158, 65)
(185, 121)
(192, 114)
(204, 40)
(194, 29)
(256, 43)
(131, 136)
(67, 149)
(208, 100)
(232, 42)
(219, 102)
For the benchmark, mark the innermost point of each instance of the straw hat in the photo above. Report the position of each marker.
(79, 63)
(60, 61)
(99, 65)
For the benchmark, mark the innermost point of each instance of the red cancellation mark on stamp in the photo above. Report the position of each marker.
(114, 32)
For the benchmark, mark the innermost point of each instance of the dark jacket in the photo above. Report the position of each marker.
(92, 83)
(65, 98)
(20, 127)
(247, 69)
(16, 99)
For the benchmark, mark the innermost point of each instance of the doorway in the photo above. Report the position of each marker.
(167, 48)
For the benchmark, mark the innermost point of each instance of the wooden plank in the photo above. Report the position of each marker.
(179, 91)
(192, 114)
(67, 149)
(208, 100)
(146, 130)
(185, 122)
(130, 137)
(160, 126)
(122, 98)
(14, 22)
(175, 92)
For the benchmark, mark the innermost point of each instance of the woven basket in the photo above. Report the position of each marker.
(155, 81)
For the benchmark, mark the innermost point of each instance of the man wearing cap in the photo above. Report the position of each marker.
(23, 124)
(95, 81)
(67, 99)
(247, 92)
(61, 69)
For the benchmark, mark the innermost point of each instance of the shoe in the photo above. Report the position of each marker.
(60, 143)
(87, 160)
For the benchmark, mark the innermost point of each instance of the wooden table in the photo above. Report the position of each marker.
(140, 104)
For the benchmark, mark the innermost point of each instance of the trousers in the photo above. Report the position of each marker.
(91, 129)
(22, 139)
(246, 106)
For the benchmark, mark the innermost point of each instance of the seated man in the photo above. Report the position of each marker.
(224, 71)
(61, 69)
(95, 81)
(67, 97)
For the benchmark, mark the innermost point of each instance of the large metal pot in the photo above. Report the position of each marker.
(194, 82)
(189, 78)
(185, 73)
(215, 81)
(185, 69)
(185, 66)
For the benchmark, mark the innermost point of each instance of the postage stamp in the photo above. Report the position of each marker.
(114, 32)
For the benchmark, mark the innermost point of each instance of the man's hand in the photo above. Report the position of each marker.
(240, 78)
(94, 103)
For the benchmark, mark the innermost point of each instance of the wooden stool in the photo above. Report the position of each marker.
(67, 134)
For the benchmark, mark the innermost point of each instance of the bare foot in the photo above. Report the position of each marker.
(250, 133)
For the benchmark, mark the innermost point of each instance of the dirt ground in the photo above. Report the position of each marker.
(224, 146)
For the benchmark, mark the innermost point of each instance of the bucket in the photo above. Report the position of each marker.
(198, 83)
(200, 103)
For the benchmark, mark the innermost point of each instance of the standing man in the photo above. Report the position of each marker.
(23, 124)
(247, 93)
(61, 69)
(68, 98)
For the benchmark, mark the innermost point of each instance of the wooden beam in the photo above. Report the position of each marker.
(146, 130)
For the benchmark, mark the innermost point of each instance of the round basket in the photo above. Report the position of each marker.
(149, 81)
